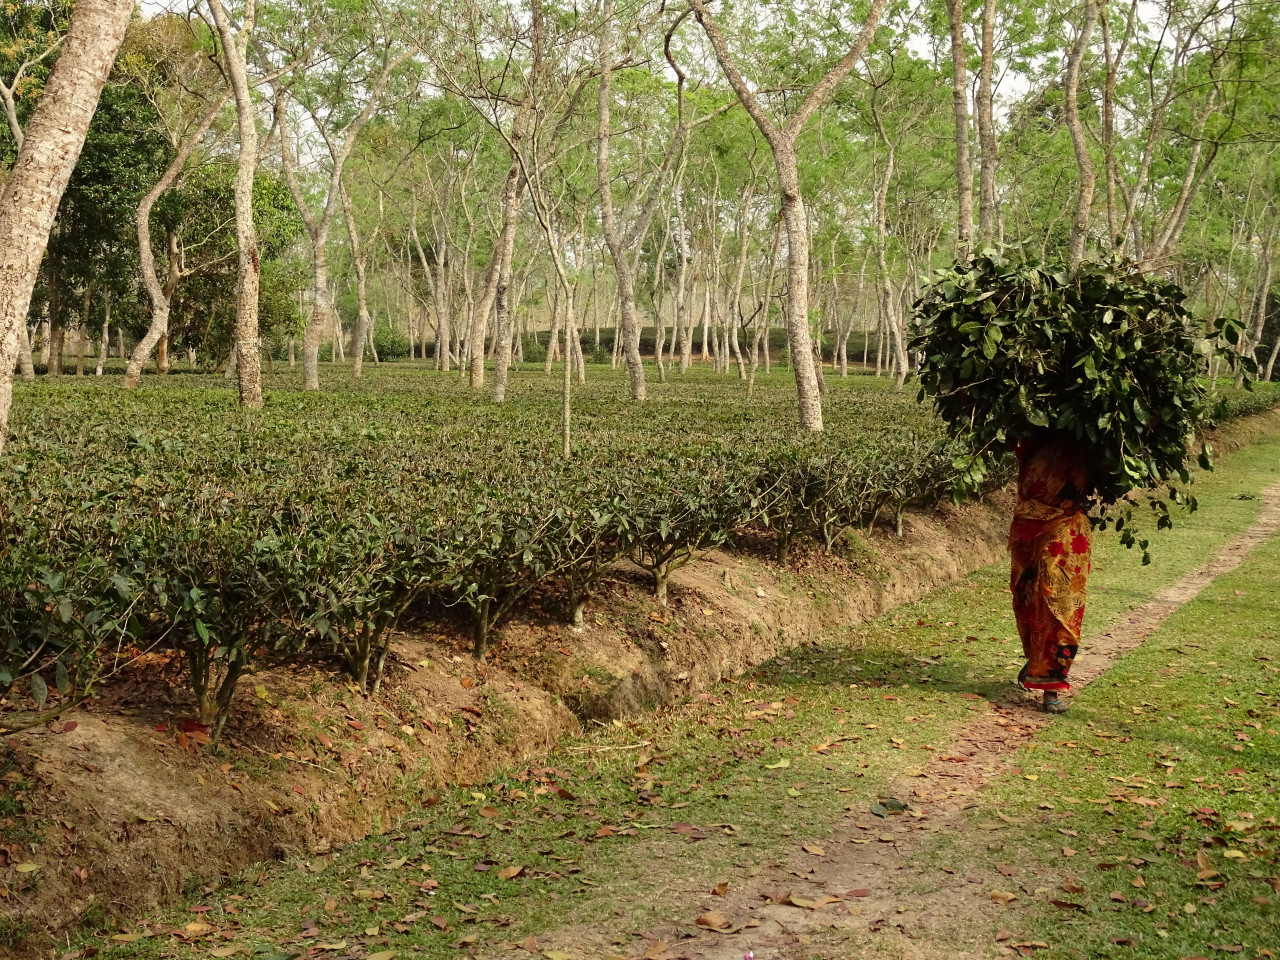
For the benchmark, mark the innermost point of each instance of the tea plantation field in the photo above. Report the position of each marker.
(167, 518)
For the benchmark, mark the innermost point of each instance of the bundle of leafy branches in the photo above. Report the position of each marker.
(1015, 347)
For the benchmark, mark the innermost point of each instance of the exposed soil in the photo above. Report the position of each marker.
(126, 806)
(882, 897)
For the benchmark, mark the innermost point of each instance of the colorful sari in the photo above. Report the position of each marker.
(1050, 549)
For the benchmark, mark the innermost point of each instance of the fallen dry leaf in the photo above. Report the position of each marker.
(714, 920)
(1002, 897)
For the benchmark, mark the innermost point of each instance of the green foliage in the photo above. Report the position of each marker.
(679, 504)
(535, 352)
(165, 520)
(1015, 347)
(391, 344)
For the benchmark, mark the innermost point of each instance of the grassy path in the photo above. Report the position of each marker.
(774, 785)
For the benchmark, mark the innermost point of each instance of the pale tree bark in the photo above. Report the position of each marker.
(660, 322)
(734, 309)
(762, 319)
(512, 198)
(106, 332)
(361, 333)
(1192, 180)
(1271, 360)
(235, 45)
(435, 276)
(1257, 321)
(340, 143)
(159, 293)
(25, 366)
(683, 319)
(9, 90)
(639, 212)
(1079, 139)
(82, 328)
(889, 312)
(987, 204)
(498, 276)
(1113, 61)
(630, 324)
(54, 137)
(960, 107)
(782, 140)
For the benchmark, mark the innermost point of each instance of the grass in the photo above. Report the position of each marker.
(1162, 780)
(632, 823)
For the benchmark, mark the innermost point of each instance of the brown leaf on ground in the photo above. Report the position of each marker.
(721, 888)
(713, 920)
(1002, 897)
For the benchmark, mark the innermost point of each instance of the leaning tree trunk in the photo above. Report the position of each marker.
(51, 146)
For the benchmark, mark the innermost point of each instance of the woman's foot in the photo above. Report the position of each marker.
(1054, 703)
(1022, 674)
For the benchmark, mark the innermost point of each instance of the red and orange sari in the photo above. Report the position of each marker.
(1050, 548)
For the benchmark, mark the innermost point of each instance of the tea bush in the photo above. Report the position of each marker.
(167, 519)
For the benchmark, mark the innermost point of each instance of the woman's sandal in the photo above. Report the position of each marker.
(1054, 703)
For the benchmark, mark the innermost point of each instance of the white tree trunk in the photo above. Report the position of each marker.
(630, 326)
(1079, 139)
(106, 333)
(960, 107)
(782, 140)
(159, 294)
(987, 203)
(24, 355)
(52, 142)
(235, 46)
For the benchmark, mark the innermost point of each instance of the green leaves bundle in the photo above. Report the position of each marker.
(1013, 346)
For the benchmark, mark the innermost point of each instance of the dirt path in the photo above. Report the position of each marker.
(885, 901)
